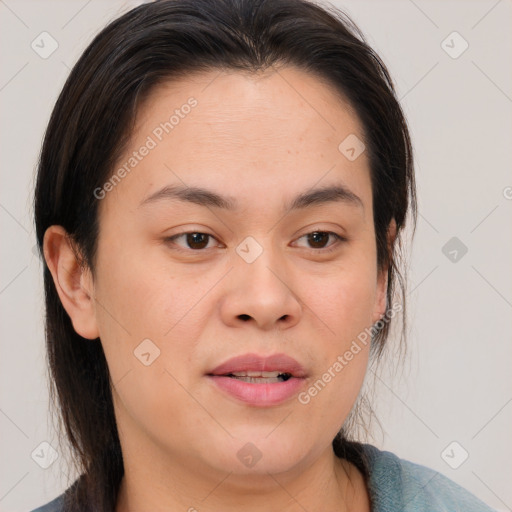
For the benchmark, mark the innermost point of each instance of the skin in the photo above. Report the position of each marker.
(262, 140)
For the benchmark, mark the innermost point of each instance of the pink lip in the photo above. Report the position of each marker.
(264, 394)
(253, 362)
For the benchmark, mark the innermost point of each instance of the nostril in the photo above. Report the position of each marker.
(244, 317)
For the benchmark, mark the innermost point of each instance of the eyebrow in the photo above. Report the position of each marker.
(208, 198)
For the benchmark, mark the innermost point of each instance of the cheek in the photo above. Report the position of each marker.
(149, 308)
(343, 303)
(345, 299)
(144, 295)
(149, 341)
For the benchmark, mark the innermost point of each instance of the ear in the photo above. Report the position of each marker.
(74, 283)
(382, 278)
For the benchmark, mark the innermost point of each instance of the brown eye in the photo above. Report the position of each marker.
(197, 240)
(319, 241)
(192, 240)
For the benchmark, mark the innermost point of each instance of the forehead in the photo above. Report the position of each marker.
(274, 132)
(235, 103)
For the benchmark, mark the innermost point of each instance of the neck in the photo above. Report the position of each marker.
(329, 484)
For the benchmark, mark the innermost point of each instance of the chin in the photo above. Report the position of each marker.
(255, 452)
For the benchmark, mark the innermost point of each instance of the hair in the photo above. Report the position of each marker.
(91, 124)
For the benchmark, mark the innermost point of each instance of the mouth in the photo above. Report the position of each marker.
(260, 377)
(258, 380)
(254, 366)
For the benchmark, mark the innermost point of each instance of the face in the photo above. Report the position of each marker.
(274, 256)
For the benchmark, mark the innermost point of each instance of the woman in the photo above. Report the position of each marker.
(220, 198)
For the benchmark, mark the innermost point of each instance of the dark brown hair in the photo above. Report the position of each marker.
(92, 122)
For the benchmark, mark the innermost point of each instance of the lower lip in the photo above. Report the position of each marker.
(261, 395)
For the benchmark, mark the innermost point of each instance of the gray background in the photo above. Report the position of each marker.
(456, 383)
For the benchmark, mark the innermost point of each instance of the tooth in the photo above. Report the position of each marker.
(256, 374)
(259, 380)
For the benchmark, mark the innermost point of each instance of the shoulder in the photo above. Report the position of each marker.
(394, 484)
(56, 505)
(398, 484)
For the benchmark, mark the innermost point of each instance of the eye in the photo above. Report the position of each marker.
(197, 241)
(319, 240)
(194, 240)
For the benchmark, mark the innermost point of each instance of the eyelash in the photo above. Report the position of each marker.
(339, 239)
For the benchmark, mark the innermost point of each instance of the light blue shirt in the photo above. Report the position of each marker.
(395, 485)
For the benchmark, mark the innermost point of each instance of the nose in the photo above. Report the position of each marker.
(261, 293)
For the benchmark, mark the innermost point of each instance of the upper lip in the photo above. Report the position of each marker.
(253, 362)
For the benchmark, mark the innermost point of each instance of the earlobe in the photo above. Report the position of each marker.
(73, 282)
(382, 280)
